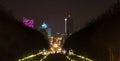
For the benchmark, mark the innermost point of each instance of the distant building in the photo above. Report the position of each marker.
(69, 25)
(45, 30)
(44, 25)
(28, 22)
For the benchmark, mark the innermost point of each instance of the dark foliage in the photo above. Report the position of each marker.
(16, 39)
(98, 37)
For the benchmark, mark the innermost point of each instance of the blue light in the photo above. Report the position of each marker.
(44, 26)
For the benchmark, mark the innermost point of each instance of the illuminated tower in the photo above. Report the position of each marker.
(45, 30)
(69, 25)
(28, 22)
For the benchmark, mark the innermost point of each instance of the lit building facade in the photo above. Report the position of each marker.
(28, 22)
(45, 30)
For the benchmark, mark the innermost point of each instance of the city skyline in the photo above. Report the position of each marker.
(54, 12)
(98, 40)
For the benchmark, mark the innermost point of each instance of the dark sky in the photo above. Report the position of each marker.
(54, 11)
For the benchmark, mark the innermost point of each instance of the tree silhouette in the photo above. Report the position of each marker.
(98, 37)
(17, 39)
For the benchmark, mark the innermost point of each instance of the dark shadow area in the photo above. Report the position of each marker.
(56, 57)
(99, 40)
(16, 39)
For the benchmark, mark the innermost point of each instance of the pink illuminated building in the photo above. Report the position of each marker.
(28, 22)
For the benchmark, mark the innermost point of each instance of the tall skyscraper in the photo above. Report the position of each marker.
(69, 25)
(45, 30)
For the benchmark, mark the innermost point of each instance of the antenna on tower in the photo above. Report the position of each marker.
(69, 14)
(42, 18)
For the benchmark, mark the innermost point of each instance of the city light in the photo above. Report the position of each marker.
(65, 19)
(28, 22)
(46, 53)
(65, 25)
(44, 25)
(69, 58)
(44, 58)
(55, 44)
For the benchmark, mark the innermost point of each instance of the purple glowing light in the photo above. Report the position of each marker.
(28, 22)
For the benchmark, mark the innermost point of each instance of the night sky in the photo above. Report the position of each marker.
(54, 11)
